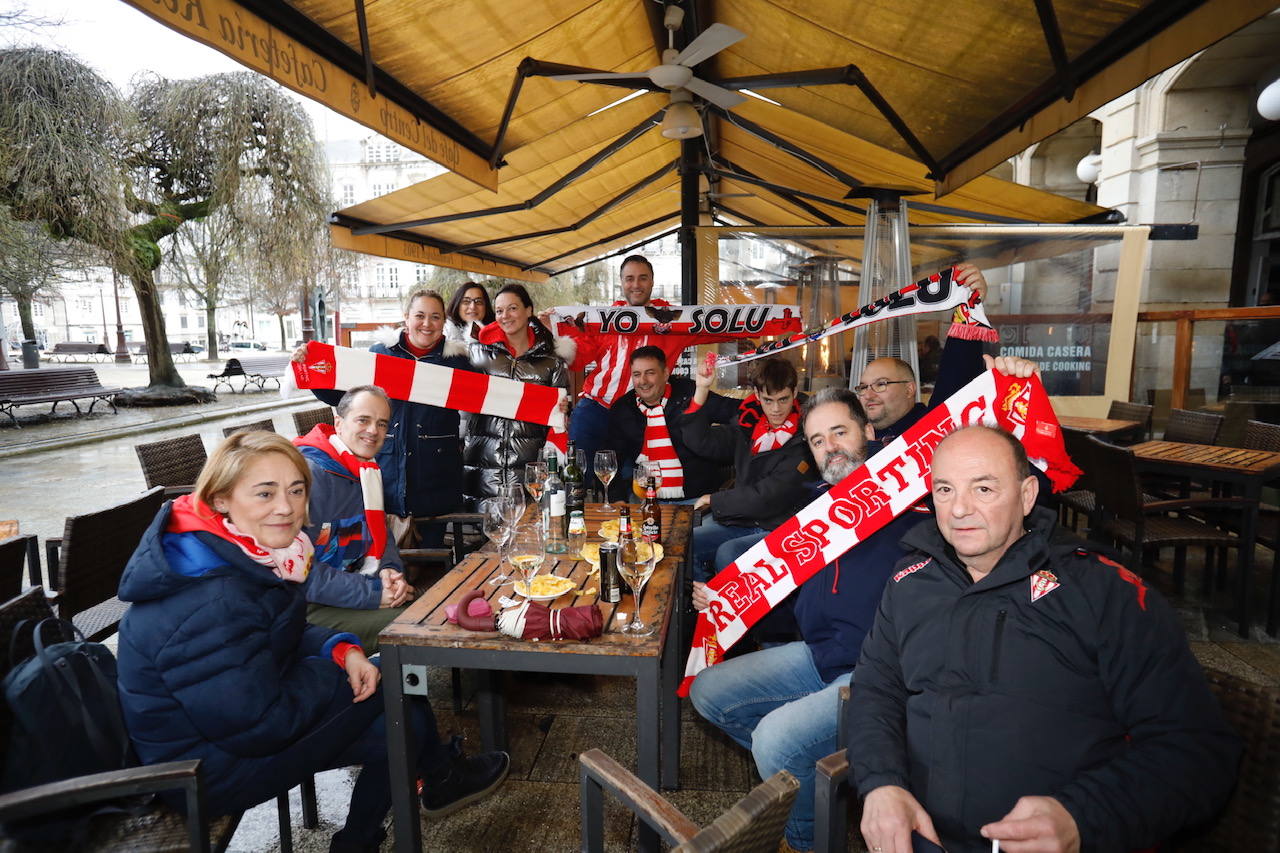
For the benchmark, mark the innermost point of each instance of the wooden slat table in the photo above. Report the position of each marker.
(1247, 470)
(422, 636)
(1098, 426)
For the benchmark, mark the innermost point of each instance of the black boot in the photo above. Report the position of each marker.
(470, 779)
(339, 845)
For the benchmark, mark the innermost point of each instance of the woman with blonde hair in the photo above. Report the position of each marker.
(218, 663)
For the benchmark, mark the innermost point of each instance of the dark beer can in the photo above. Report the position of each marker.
(610, 579)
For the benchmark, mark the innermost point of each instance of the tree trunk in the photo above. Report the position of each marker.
(24, 316)
(160, 366)
(211, 326)
(283, 346)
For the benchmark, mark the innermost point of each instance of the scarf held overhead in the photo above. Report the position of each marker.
(871, 496)
(340, 368)
(369, 476)
(935, 293)
(730, 321)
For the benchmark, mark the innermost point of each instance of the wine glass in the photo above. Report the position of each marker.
(606, 466)
(535, 479)
(496, 527)
(528, 550)
(636, 573)
(513, 493)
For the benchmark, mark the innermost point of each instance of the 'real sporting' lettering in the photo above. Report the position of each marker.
(864, 500)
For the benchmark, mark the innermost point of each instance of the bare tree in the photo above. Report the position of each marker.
(32, 263)
(206, 261)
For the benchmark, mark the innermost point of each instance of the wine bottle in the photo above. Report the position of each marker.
(557, 519)
(575, 487)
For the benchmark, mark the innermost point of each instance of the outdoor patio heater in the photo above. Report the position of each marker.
(886, 266)
(819, 280)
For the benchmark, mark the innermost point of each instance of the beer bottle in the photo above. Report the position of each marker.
(626, 542)
(575, 487)
(651, 513)
(557, 518)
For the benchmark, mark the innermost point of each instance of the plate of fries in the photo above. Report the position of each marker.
(545, 587)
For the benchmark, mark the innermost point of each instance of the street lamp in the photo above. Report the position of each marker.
(122, 350)
(102, 306)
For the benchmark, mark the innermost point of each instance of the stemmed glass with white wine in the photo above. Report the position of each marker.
(497, 528)
(528, 551)
(535, 480)
(636, 568)
(606, 466)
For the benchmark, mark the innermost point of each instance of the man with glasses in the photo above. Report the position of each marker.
(888, 390)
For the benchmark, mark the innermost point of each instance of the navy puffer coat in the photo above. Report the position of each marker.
(216, 659)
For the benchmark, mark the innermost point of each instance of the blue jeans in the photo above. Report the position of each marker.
(774, 703)
(588, 430)
(708, 537)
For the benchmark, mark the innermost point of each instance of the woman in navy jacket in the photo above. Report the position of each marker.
(421, 460)
(217, 661)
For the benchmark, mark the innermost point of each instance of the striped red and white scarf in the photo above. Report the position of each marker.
(878, 491)
(339, 368)
(291, 563)
(658, 447)
(369, 476)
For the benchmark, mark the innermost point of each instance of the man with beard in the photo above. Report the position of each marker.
(781, 702)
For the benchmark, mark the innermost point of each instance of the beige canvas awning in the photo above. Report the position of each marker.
(936, 95)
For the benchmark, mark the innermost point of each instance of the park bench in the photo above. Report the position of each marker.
(69, 350)
(254, 370)
(178, 349)
(52, 385)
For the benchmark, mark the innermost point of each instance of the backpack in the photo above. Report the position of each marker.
(66, 718)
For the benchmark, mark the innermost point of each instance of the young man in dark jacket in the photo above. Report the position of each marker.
(1018, 688)
(646, 421)
(772, 473)
(357, 581)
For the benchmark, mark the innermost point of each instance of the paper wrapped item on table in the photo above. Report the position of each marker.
(535, 621)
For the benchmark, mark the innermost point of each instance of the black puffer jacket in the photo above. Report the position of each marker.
(496, 449)
(1059, 674)
(768, 487)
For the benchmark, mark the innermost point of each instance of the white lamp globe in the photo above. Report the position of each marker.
(1269, 101)
(1089, 168)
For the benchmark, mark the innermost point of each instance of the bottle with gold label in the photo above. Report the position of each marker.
(651, 513)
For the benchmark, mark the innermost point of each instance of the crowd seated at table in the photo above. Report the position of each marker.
(233, 584)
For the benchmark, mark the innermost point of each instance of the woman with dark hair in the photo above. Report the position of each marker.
(217, 661)
(469, 311)
(515, 346)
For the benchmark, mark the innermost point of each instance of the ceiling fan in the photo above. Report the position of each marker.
(675, 74)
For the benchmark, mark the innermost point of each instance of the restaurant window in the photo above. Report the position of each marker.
(348, 195)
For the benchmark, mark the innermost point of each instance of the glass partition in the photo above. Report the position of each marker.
(1064, 296)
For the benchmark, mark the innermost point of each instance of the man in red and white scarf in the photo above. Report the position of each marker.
(772, 471)
(357, 583)
(647, 423)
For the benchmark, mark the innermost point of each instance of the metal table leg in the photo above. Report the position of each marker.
(491, 705)
(404, 802)
(1248, 542)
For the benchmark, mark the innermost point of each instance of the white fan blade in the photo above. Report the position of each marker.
(601, 75)
(709, 42)
(718, 95)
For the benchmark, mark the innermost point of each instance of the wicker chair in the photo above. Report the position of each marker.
(16, 552)
(304, 421)
(86, 564)
(1122, 411)
(265, 424)
(1141, 525)
(1259, 435)
(1193, 427)
(831, 788)
(174, 463)
(754, 824)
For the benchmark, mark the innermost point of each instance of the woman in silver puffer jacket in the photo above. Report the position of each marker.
(515, 346)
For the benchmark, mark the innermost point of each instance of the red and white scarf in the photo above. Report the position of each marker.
(339, 368)
(765, 437)
(291, 563)
(658, 447)
(365, 472)
(879, 490)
